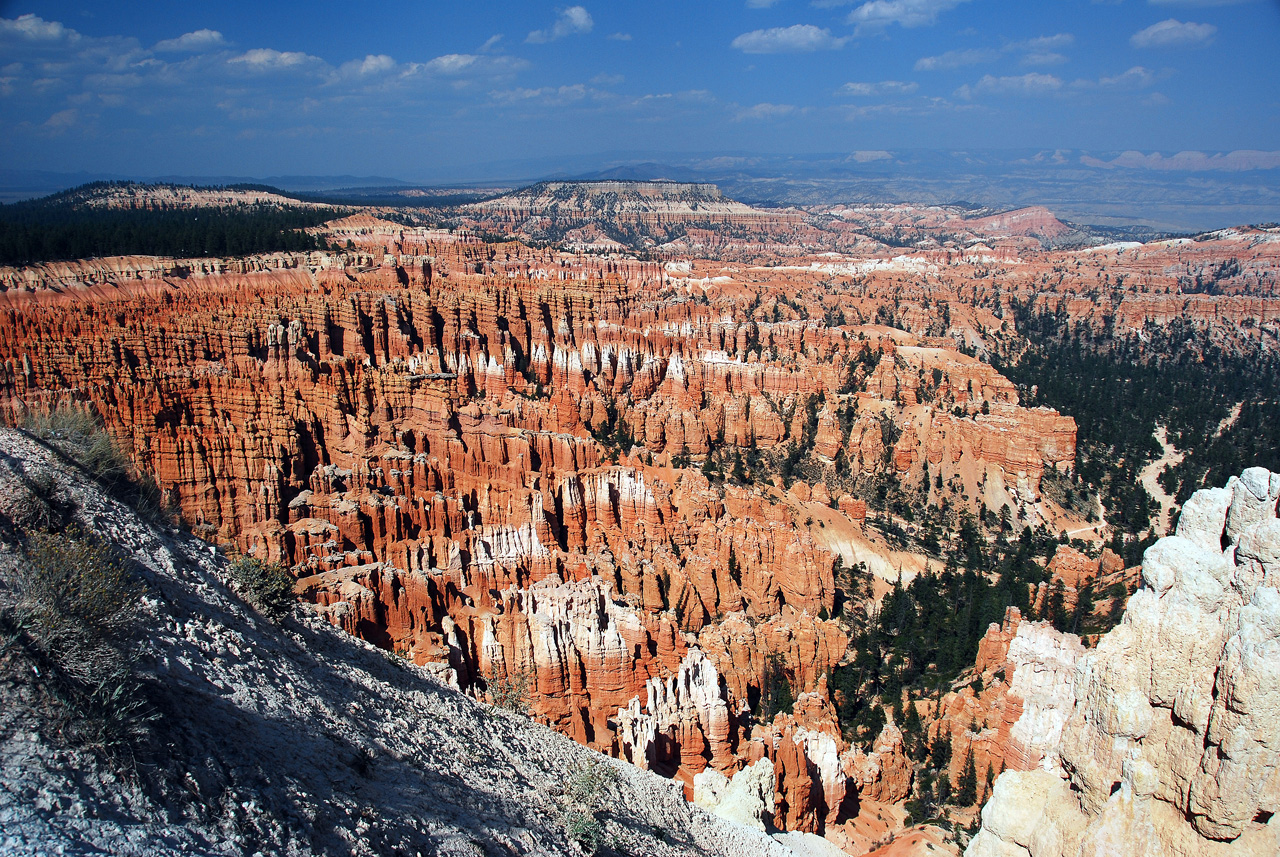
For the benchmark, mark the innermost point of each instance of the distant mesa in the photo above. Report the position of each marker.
(613, 213)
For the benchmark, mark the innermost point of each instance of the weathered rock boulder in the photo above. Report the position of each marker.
(1171, 744)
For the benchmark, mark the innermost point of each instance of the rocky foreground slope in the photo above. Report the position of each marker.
(293, 738)
(1165, 738)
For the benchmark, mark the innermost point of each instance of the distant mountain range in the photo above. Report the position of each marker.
(25, 184)
(1184, 192)
(1187, 191)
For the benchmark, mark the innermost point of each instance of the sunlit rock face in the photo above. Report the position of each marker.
(488, 458)
(1013, 720)
(1171, 742)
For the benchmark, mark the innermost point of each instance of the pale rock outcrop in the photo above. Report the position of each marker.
(1172, 743)
(684, 722)
(747, 798)
(1043, 664)
(804, 844)
(1015, 722)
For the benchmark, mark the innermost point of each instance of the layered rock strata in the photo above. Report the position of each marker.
(468, 454)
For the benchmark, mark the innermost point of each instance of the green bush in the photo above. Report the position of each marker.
(266, 586)
(585, 795)
(76, 433)
(513, 690)
(76, 613)
(33, 503)
(584, 828)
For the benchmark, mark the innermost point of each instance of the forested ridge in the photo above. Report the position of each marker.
(1121, 387)
(63, 227)
(1219, 404)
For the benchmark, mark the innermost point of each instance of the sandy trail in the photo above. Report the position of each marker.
(1148, 477)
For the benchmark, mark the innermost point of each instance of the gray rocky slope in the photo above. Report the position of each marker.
(294, 738)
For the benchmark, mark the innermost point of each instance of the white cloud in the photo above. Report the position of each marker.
(265, 59)
(1045, 43)
(884, 87)
(761, 4)
(61, 121)
(1026, 84)
(198, 40)
(956, 59)
(1041, 50)
(572, 21)
(765, 110)
(1173, 33)
(606, 79)
(1135, 78)
(799, 38)
(36, 29)
(552, 96)
(1048, 58)
(371, 64)
(908, 13)
(452, 65)
(619, 37)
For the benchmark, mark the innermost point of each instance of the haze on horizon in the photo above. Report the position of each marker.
(451, 92)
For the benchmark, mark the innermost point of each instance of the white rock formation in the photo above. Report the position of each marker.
(1172, 744)
(1043, 677)
(690, 698)
(746, 799)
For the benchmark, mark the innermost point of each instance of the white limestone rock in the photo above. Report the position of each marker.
(1204, 517)
(1172, 744)
(1253, 499)
(747, 799)
(1044, 671)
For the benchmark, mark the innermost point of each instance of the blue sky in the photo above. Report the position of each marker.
(435, 91)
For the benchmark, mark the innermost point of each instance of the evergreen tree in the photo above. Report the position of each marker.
(708, 468)
(967, 788)
(1055, 606)
(776, 696)
(66, 226)
(944, 788)
(940, 753)
(911, 722)
(1084, 608)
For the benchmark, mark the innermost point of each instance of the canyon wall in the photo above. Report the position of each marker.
(468, 460)
(486, 458)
